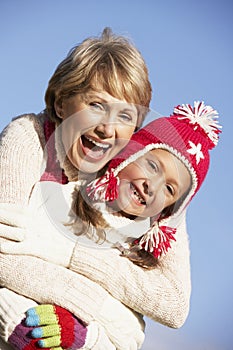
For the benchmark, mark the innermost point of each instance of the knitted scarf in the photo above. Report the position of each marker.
(53, 171)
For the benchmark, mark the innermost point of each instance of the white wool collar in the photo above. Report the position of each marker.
(122, 228)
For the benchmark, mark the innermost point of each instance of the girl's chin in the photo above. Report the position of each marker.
(130, 211)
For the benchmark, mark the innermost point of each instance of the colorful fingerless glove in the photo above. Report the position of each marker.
(52, 327)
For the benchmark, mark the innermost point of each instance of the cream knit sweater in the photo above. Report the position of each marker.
(117, 327)
(163, 294)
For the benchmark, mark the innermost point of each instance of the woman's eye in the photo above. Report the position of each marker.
(170, 189)
(126, 117)
(97, 106)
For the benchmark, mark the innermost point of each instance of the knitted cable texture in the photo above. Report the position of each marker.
(21, 158)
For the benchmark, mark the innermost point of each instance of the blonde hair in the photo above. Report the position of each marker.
(110, 63)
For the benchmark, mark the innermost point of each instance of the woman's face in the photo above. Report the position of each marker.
(95, 128)
(151, 183)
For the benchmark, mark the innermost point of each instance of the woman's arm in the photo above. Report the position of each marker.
(21, 158)
(162, 294)
(12, 310)
(87, 300)
(21, 165)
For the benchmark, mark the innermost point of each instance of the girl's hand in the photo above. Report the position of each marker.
(55, 327)
(21, 338)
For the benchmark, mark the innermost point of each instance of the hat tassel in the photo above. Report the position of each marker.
(104, 188)
(157, 240)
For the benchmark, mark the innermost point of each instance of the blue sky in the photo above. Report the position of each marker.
(188, 48)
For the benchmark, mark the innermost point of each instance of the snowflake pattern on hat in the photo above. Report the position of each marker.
(196, 151)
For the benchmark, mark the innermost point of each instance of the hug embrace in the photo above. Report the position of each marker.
(93, 205)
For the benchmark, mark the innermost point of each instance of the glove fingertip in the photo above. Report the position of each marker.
(20, 237)
(31, 311)
(32, 321)
(37, 332)
(2, 248)
(41, 343)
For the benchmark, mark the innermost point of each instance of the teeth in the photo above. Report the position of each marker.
(102, 145)
(140, 199)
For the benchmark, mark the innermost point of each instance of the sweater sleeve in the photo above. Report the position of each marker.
(53, 284)
(21, 158)
(12, 310)
(162, 294)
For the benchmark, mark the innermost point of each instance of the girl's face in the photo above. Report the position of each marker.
(151, 183)
(95, 128)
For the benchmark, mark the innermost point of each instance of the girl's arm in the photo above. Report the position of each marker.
(49, 283)
(162, 294)
(166, 288)
(13, 308)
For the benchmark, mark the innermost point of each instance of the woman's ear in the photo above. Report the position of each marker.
(58, 108)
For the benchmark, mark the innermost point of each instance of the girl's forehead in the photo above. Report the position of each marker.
(156, 153)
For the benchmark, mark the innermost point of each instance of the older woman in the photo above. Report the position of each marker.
(98, 96)
(93, 96)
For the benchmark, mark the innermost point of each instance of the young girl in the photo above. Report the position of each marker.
(155, 176)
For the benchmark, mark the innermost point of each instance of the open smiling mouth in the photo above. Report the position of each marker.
(94, 149)
(138, 199)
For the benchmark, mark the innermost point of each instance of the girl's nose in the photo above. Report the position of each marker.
(152, 186)
(148, 187)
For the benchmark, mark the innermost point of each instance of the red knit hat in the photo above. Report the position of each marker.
(189, 133)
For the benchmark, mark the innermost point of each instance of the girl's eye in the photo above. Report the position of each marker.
(170, 189)
(153, 165)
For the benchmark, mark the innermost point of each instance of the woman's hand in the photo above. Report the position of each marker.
(13, 222)
(47, 243)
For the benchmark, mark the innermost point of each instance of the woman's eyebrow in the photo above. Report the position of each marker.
(128, 109)
(94, 95)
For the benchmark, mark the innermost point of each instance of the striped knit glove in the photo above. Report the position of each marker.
(55, 327)
(20, 339)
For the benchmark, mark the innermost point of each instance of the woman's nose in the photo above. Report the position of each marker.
(105, 130)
